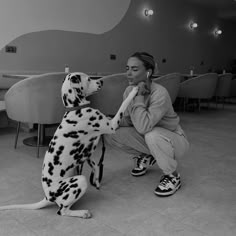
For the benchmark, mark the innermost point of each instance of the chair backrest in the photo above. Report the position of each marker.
(110, 97)
(171, 82)
(36, 99)
(202, 86)
(233, 87)
(223, 85)
(8, 78)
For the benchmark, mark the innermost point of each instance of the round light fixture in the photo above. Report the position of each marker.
(148, 12)
(218, 32)
(193, 25)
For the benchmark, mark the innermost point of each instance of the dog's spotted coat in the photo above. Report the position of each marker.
(74, 141)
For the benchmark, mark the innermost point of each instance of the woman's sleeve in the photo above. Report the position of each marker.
(143, 117)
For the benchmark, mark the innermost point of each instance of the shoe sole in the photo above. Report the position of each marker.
(152, 162)
(170, 193)
(138, 174)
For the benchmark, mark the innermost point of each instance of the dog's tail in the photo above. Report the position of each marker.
(34, 206)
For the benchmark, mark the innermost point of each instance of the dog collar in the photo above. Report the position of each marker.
(76, 108)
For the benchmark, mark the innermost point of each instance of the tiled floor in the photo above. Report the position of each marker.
(125, 205)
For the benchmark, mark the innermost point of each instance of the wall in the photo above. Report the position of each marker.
(90, 16)
(165, 35)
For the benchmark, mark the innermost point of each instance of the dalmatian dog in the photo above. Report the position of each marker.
(73, 143)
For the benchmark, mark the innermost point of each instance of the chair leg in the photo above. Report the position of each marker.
(199, 104)
(17, 134)
(185, 103)
(38, 139)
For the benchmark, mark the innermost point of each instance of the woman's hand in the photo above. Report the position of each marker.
(143, 89)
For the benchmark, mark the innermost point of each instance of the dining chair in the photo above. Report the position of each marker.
(199, 88)
(3, 116)
(233, 87)
(36, 100)
(171, 82)
(223, 87)
(110, 97)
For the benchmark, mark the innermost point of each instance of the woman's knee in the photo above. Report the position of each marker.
(149, 137)
(110, 139)
(155, 137)
(118, 137)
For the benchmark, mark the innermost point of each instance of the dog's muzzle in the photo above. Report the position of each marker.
(99, 83)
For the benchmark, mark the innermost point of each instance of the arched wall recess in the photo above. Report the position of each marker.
(88, 16)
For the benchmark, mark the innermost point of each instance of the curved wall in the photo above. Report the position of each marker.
(166, 35)
(19, 17)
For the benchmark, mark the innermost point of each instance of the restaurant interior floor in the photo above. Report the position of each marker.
(125, 205)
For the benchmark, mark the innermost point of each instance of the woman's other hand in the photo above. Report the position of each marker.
(143, 89)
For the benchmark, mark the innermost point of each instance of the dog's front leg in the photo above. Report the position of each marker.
(116, 120)
(95, 174)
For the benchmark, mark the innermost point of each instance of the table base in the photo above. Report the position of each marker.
(32, 141)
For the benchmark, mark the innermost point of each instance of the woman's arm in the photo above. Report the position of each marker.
(145, 116)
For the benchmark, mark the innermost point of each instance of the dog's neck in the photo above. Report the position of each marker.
(78, 107)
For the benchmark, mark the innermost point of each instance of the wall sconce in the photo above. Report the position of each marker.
(218, 32)
(193, 25)
(148, 12)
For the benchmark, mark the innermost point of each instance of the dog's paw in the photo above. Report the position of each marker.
(97, 183)
(94, 181)
(96, 176)
(134, 91)
(86, 214)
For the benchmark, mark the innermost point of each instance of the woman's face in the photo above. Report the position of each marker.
(135, 71)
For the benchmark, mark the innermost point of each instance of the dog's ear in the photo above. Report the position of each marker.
(73, 94)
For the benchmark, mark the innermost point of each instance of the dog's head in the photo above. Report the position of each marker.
(76, 87)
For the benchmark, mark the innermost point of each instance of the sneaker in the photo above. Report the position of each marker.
(168, 185)
(142, 163)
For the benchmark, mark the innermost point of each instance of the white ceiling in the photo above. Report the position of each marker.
(225, 9)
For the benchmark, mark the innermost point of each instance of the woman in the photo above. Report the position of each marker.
(150, 129)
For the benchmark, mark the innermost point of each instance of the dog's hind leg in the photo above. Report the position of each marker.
(71, 190)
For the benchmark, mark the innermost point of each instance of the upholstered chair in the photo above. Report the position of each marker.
(110, 97)
(171, 82)
(233, 87)
(223, 87)
(198, 88)
(36, 100)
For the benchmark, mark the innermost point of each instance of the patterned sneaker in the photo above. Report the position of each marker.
(142, 163)
(168, 185)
